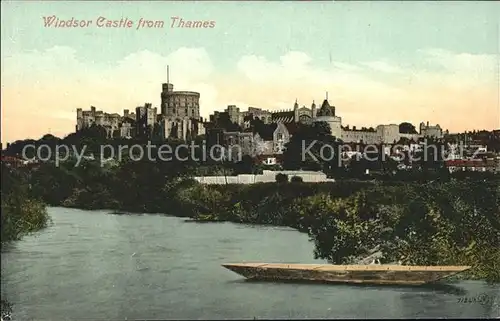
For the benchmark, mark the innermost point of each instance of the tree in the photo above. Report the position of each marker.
(312, 147)
(432, 155)
(407, 128)
(245, 166)
(281, 178)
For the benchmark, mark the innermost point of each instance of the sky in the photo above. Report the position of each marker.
(380, 62)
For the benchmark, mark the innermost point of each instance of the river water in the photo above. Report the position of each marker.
(99, 266)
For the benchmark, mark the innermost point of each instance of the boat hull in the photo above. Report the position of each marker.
(356, 274)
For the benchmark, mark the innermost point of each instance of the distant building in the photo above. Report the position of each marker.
(327, 114)
(179, 117)
(474, 165)
(180, 114)
(146, 118)
(12, 161)
(114, 124)
(382, 134)
(427, 130)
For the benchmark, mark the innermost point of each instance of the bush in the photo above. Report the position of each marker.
(297, 179)
(281, 178)
(21, 213)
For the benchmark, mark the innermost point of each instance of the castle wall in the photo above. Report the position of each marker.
(265, 177)
(264, 115)
(126, 130)
(303, 115)
(414, 137)
(433, 131)
(355, 136)
(234, 114)
(388, 133)
(110, 122)
(334, 122)
(166, 127)
(182, 104)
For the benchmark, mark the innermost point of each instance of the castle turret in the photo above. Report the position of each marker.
(167, 88)
(326, 109)
(422, 128)
(327, 114)
(313, 110)
(79, 119)
(296, 111)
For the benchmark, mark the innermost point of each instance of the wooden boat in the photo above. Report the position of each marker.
(360, 274)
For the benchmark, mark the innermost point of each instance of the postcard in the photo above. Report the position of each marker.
(250, 160)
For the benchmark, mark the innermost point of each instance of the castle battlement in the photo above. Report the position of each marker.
(179, 117)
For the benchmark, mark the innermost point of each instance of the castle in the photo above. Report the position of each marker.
(179, 117)
(382, 134)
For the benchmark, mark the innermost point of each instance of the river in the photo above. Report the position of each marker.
(99, 266)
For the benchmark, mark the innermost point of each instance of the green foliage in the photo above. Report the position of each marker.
(423, 216)
(296, 179)
(21, 213)
(281, 178)
(407, 128)
(311, 148)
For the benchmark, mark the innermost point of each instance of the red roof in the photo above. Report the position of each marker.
(11, 159)
(468, 163)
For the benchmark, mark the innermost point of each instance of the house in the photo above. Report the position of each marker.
(474, 165)
(12, 161)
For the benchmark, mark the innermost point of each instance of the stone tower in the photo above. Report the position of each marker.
(327, 114)
(296, 111)
(179, 104)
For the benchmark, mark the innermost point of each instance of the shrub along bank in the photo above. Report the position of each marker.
(456, 222)
(21, 212)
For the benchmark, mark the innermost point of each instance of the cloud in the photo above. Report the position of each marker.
(296, 70)
(42, 90)
(40, 87)
(462, 62)
(463, 68)
(383, 66)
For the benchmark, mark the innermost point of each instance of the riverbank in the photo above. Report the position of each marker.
(90, 265)
(434, 223)
(22, 212)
